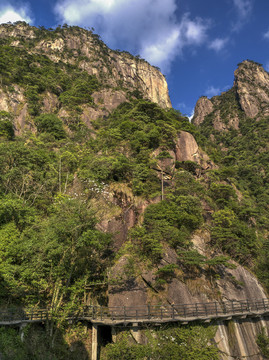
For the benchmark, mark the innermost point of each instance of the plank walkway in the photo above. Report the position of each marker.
(183, 313)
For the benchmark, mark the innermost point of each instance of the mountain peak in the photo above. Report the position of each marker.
(249, 96)
(252, 86)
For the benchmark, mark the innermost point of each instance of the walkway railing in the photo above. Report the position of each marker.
(208, 310)
(147, 313)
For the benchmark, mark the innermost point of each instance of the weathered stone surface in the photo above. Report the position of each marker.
(121, 72)
(50, 103)
(3, 101)
(251, 95)
(109, 99)
(113, 67)
(252, 84)
(127, 291)
(187, 150)
(203, 107)
(186, 147)
(237, 339)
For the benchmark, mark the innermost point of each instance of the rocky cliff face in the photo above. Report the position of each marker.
(235, 339)
(122, 74)
(252, 86)
(250, 99)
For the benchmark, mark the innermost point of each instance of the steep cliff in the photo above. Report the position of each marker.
(109, 196)
(121, 74)
(248, 97)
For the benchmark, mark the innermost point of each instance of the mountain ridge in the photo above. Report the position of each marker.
(101, 185)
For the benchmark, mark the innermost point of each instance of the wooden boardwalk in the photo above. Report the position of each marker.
(156, 314)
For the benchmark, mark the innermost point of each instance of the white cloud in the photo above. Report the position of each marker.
(218, 44)
(147, 27)
(244, 9)
(212, 91)
(266, 35)
(13, 13)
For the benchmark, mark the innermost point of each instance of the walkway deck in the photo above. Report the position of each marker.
(183, 313)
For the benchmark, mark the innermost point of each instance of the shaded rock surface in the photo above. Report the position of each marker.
(236, 339)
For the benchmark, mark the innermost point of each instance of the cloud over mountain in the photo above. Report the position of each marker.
(147, 27)
(12, 11)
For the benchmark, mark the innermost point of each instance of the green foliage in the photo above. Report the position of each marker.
(125, 350)
(11, 345)
(50, 123)
(188, 166)
(262, 264)
(50, 260)
(39, 344)
(222, 194)
(263, 343)
(81, 91)
(191, 342)
(233, 236)
(37, 73)
(6, 125)
(169, 221)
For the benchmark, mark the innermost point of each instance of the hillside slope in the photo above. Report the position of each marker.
(111, 197)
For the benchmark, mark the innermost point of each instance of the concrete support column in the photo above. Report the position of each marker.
(136, 333)
(22, 326)
(94, 342)
(113, 334)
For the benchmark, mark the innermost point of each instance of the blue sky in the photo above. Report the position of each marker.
(196, 43)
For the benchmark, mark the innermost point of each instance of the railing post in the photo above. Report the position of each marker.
(161, 313)
(264, 304)
(93, 312)
(101, 313)
(124, 313)
(136, 314)
(184, 309)
(216, 308)
(149, 312)
(232, 306)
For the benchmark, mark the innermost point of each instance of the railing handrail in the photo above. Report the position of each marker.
(144, 312)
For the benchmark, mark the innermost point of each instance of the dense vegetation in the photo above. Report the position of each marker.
(191, 342)
(60, 180)
(242, 156)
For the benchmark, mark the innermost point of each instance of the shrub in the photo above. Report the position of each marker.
(50, 123)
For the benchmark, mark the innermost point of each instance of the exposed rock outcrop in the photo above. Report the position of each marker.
(203, 107)
(122, 75)
(248, 97)
(187, 150)
(85, 49)
(236, 339)
(252, 84)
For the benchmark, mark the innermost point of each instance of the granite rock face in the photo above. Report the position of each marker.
(203, 107)
(250, 98)
(236, 339)
(122, 75)
(252, 85)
